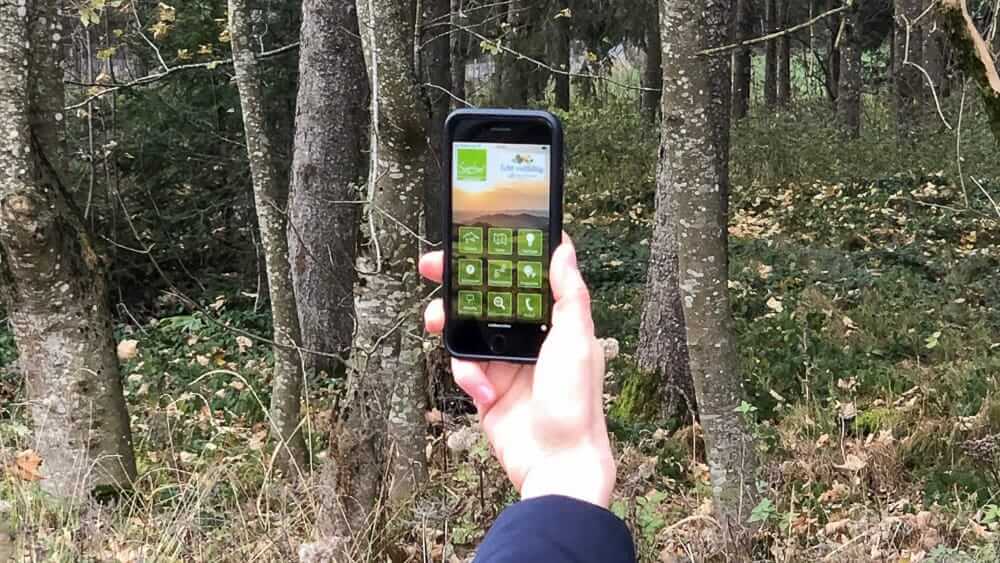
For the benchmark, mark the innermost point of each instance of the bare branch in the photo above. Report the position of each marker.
(775, 35)
(157, 76)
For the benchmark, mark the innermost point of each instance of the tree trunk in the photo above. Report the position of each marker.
(908, 79)
(849, 98)
(771, 55)
(933, 61)
(652, 71)
(380, 431)
(974, 58)
(695, 163)
(662, 339)
(437, 71)
(514, 74)
(459, 48)
(784, 56)
(327, 176)
(833, 66)
(742, 60)
(271, 201)
(54, 286)
(560, 53)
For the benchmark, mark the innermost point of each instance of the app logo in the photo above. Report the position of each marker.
(529, 242)
(529, 306)
(501, 273)
(470, 240)
(470, 272)
(529, 274)
(524, 159)
(471, 165)
(470, 303)
(500, 305)
(502, 241)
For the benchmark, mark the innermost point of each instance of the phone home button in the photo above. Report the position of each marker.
(498, 344)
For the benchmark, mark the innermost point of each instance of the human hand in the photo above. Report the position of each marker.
(544, 421)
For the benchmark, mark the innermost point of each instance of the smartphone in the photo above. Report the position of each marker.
(503, 219)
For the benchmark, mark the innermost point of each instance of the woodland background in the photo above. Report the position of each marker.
(210, 214)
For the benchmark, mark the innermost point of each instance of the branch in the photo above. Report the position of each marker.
(157, 76)
(776, 34)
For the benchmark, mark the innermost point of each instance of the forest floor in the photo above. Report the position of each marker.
(868, 315)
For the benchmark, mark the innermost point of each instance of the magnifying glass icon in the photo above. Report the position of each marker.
(498, 302)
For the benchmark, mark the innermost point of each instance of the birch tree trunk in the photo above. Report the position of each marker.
(53, 283)
(695, 157)
(271, 202)
(742, 61)
(327, 179)
(849, 98)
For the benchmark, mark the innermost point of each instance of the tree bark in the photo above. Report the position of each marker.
(437, 71)
(849, 97)
(695, 163)
(560, 53)
(327, 179)
(771, 55)
(742, 60)
(974, 58)
(380, 430)
(652, 71)
(784, 56)
(271, 201)
(53, 283)
(514, 74)
(459, 48)
(908, 79)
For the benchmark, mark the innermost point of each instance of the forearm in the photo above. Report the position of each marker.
(556, 529)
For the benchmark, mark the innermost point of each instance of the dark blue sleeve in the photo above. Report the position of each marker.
(557, 530)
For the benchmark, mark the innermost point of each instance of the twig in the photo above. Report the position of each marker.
(156, 76)
(448, 92)
(996, 207)
(776, 34)
(958, 144)
(550, 68)
(906, 61)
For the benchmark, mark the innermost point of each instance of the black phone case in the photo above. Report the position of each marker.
(555, 207)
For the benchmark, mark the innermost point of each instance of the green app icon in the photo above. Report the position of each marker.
(501, 241)
(471, 166)
(529, 274)
(500, 306)
(529, 242)
(529, 306)
(470, 303)
(470, 240)
(470, 272)
(501, 273)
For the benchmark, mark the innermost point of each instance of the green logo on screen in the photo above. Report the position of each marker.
(472, 165)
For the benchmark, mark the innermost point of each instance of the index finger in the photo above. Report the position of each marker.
(432, 266)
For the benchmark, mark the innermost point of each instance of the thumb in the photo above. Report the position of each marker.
(572, 299)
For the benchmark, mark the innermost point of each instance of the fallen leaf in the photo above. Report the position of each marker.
(775, 305)
(837, 493)
(127, 349)
(852, 463)
(823, 440)
(836, 527)
(244, 343)
(258, 440)
(26, 466)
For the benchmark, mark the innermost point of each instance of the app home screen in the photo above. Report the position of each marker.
(500, 247)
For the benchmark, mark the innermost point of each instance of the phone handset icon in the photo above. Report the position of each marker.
(528, 306)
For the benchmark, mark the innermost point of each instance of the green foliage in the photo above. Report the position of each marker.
(764, 511)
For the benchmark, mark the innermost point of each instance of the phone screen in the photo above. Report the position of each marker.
(500, 233)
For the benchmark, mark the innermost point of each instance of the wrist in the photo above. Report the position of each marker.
(586, 473)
